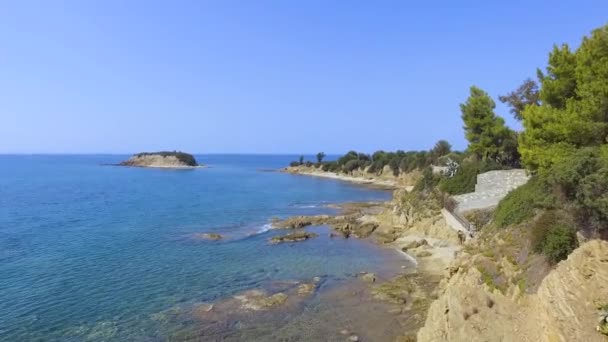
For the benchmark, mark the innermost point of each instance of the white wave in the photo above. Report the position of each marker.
(306, 206)
(264, 228)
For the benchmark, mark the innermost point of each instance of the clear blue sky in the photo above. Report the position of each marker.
(264, 76)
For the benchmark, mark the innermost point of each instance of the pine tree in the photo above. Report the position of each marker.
(483, 129)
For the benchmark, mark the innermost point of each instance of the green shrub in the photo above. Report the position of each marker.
(479, 217)
(466, 177)
(352, 165)
(330, 166)
(377, 166)
(428, 181)
(521, 203)
(552, 235)
(463, 181)
(541, 227)
(559, 243)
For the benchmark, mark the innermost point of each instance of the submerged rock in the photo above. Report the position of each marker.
(257, 300)
(368, 277)
(207, 236)
(292, 237)
(306, 289)
(398, 290)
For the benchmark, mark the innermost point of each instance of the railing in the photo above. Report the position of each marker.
(465, 223)
(451, 206)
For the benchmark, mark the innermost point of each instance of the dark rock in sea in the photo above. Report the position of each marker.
(292, 237)
(207, 236)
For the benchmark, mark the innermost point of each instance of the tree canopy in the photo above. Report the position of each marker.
(485, 131)
(573, 110)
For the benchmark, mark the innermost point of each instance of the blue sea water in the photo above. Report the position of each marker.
(91, 251)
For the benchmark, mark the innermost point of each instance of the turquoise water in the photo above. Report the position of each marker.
(89, 251)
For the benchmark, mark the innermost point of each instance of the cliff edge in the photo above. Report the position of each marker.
(564, 307)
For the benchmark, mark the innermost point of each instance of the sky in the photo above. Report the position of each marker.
(122, 76)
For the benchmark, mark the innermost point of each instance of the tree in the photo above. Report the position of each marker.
(574, 104)
(320, 157)
(348, 156)
(441, 148)
(483, 129)
(525, 95)
(559, 83)
(301, 160)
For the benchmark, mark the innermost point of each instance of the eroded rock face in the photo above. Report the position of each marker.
(569, 297)
(565, 307)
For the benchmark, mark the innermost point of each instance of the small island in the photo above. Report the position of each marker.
(163, 159)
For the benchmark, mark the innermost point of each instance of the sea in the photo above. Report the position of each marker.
(91, 251)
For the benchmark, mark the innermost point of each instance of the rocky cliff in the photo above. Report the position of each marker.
(564, 307)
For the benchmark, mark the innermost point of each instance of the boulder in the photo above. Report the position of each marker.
(414, 244)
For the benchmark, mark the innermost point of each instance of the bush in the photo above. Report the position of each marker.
(559, 242)
(294, 163)
(377, 166)
(479, 217)
(428, 181)
(330, 166)
(466, 177)
(552, 235)
(352, 165)
(521, 203)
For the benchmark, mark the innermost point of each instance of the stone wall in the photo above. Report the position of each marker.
(491, 187)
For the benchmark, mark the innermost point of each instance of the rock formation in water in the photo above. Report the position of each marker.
(173, 159)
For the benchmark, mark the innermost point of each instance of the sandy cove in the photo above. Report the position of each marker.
(384, 180)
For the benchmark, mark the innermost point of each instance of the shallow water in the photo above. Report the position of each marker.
(95, 252)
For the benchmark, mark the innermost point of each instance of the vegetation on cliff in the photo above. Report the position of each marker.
(563, 144)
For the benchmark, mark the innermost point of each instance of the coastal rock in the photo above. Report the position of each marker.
(257, 300)
(368, 277)
(414, 244)
(297, 222)
(292, 237)
(423, 254)
(306, 289)
(397, 290)
(207, 236)
(163, 159)
(564, 308)
(364, 230)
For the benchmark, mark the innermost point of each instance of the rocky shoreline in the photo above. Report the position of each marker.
(430, 245)
(385, 180)
(489, 289)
